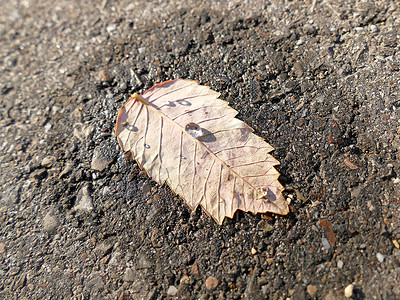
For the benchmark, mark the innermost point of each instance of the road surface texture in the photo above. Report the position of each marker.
(319, 80)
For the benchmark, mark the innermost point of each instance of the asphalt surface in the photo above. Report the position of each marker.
(318, 80)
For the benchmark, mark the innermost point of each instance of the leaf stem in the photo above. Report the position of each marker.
(140, 99)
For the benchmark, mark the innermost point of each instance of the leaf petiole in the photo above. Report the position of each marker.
(140, 99)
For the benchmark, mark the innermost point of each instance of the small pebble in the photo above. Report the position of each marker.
(325, 243)
(195, 269)
(300, 41)
(146, 188)
(47, 127)
(111, 28)
(76, 115)
(38, 174)
(380, 257)
(101, 158)
(49, 223)
(84, 200)
(81, 236)
(348, 291)
(99, 163)
(264, 290)
(172, 291)
(67, 169)
(264, 225)
(105, 259)
(48, 161)
(14, 271)
(211, 283)
(104, 76)
(340, 264)
(330, 296)
(129, 275)
(373, 28)
(311, 290)
(253, 251)
(396, 244)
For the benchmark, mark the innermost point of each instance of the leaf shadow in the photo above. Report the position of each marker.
(271, 195)
(131, 128)
(207, 137)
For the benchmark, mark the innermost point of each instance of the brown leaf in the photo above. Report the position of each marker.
(182, 134)
(329, 231)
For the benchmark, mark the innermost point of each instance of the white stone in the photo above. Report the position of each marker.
(373, 28)
(325, 243)
(48, 161)
(380, 257)
(348, 291)
(172, 291)
(396, 180)
(111, 28)
(340, 264)
(49, 223)
(68, 168)
(99, 163)
(84, 200)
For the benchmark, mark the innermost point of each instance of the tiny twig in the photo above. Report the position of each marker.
(140, 99)
(314, 3)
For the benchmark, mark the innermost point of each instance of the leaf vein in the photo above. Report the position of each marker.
(169, 92)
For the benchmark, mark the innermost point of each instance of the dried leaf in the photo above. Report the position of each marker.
(182, 134)
(329, 231)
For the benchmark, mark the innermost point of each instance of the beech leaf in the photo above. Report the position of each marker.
(182, 134)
